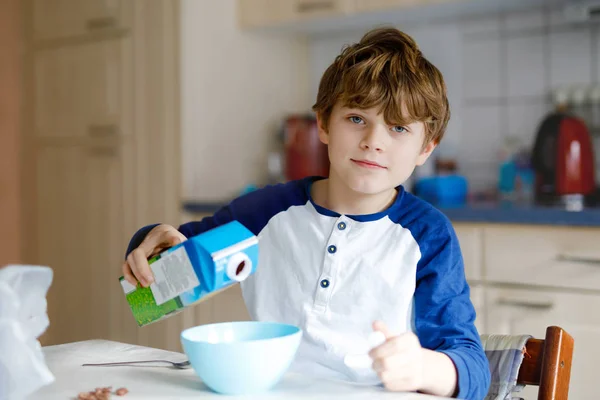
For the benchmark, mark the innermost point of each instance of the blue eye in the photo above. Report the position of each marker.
(399, 129)
(355, 119)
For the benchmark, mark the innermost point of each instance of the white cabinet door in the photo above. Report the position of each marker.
(58, 19)
(564, 257)
(376, 5)
(519, 311)
(470, 238)
(257, 13)
(478, 300)
(84, 91)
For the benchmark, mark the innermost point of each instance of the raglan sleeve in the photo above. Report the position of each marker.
(444, 313)
(251, 210)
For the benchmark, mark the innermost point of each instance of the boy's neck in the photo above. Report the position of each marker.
(335, 196)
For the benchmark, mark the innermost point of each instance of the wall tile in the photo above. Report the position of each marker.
(525, 20)
(595, 34)
(481, 135)
(524, 120)
(480, 176)
(555, 17)
(481, 69)
(526, 67)
(473, 26)
(570, 57)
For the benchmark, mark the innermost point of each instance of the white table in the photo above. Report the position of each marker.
(154, 382)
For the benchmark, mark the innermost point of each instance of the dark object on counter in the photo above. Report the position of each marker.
(445, 166)
(305, 155)
(563, 161)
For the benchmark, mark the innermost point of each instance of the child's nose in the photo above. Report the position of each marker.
(373, 140)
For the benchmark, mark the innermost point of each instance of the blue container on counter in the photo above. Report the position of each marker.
(443, 191)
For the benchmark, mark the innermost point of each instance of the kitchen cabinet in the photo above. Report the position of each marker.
(470, 240)
(100, 144)
(84, 91)
(559, 256)
(376, 5)
(256, 13)
(82, 234)
(327, 16)
(59, 19)
(478, 300)
(518, 311)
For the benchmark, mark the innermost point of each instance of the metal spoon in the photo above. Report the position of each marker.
(176, 365)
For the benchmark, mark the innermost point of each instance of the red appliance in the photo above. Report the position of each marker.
(563, 159)
(304, 153)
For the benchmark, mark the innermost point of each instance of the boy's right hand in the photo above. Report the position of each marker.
(136, 267)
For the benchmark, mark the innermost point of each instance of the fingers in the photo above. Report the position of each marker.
(391, 363)
(395, 345)
(177, 237)
(382, 327)
(160, 238)
(139, 266)
(127, 274)
(170, 239)
(136, 267)
(398, 360)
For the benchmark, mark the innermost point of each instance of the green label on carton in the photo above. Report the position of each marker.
(144, 308)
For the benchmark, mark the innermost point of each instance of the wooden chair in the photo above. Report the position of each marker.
(547, 364)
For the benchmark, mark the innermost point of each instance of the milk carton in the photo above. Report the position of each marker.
(192, 271)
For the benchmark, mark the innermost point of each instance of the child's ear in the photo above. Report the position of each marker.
(426, 152)
(323, 133)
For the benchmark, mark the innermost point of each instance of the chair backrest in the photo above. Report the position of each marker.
(547, 364)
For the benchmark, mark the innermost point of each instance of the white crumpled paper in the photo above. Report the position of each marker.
(23, 318)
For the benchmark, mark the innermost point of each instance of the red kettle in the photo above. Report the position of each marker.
(305, 154)
(563, 157)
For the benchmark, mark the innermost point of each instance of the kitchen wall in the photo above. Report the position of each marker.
(500, 71)
(236, 87)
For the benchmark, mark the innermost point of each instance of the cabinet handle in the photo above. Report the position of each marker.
(109, 152)
(103, 130)
(578, 259)
(101, 23)
(534, 305)
(312, 6)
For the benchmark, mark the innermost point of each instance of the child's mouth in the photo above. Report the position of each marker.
(368, 164)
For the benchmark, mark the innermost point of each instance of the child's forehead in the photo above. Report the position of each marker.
(376, 108)
(396, 110)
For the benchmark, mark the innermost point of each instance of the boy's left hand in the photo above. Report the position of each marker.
(399, 361)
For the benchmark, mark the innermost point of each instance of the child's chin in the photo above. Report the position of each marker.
(369, 186)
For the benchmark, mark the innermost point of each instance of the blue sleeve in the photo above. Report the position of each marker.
(253, 210)
(138, 238)
(188, 230)
(444, 314)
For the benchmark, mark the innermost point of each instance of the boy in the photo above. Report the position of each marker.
(351, 253)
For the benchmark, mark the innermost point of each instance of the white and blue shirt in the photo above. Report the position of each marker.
(333, 275)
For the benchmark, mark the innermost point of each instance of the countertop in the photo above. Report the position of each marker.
(524, 215)
(152, 382)
(476, 213)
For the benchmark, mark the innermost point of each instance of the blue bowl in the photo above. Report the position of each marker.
(241, 357)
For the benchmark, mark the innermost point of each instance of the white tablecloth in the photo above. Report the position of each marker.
(155, 382)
